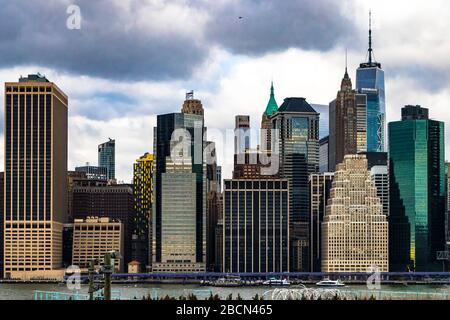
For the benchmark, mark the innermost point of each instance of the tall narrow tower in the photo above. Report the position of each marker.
(370, 81)
(35, 194)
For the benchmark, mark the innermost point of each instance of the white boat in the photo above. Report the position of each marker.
(228, 281)
(330, 283)
(276, 282)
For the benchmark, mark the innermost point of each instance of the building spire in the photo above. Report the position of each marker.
(370, 37)
(272, 105)
(346, 63)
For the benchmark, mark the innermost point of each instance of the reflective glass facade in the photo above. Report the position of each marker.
(417, 194)
(370, 81)
(107, 157)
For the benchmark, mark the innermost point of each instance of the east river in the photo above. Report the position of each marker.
(26, 291)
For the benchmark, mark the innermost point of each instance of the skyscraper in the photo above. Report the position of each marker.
(167, 149)
(266, 123)
(297, 125)
(35, 206)
(346, 128)
(143, 186)
(355, 230)
(256, 226)
(107, 158)
(417, 191)
(370, 81)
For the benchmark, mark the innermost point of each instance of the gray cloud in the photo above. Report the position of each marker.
(273, 25)
(108, 45)
(112, 45)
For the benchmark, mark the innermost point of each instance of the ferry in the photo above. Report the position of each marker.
(330, 283)
(276, 282)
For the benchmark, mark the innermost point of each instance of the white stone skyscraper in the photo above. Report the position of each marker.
(355, 230)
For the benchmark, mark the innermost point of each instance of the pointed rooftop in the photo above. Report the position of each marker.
(272, 106)
(371, 63)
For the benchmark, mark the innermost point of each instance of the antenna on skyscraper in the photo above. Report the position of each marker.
(370, 37)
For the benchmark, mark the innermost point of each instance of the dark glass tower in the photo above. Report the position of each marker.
(256, 226)
(417, 191)
(370, 81)
(297, 125)
(107, 157)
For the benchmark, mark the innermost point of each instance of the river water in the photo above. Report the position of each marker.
(138, 291)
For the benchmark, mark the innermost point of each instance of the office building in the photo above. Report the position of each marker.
(256, 226)
(355, 230)
(179, 219)
(297, 124)
(93, 172)
(417, 191)
(107, 158)
(320, 187)
(114, 202)
(35, 203)
(143, 187)
(370, 82)
(93, 237)
(181, 199)
(67, 240)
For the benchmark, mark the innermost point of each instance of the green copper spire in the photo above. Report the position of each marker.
(272, 106)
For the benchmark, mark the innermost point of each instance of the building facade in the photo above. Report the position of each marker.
(346, 130)
(166, 135)
(107, 158)
(93, 172)
(324, 147)
(297, 125)
(355, 230)
(143, 187)
(417, 189)
(93, 237)
(35, 194)
(2, 194)
(256, 226)
(241, 134)
(320, 188)
(114, 202)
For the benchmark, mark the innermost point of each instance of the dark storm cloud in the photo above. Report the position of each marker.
(108, 44)
(257, 27)
(111, 45)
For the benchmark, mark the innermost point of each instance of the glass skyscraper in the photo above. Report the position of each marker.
(417, 191)
(106, 157)
(190, 120)
(297, 125)
(370, 81)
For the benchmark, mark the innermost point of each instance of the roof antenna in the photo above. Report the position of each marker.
(370, 37)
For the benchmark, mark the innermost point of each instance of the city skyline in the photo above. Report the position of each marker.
(123, 105)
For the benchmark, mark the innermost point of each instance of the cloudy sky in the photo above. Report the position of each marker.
(133, 59)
